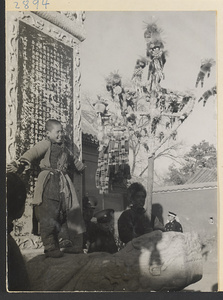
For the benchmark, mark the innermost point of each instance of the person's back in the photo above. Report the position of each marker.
(16, 196)
(102, 238)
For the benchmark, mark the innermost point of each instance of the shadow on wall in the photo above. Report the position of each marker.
(157, 210)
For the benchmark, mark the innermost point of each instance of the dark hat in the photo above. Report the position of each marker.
(90, 201)
(171, 214)
(135, 188)
(104, 216)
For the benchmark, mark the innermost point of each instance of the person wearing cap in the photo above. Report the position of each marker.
(134, 222)
(172, 224)
(102, 238)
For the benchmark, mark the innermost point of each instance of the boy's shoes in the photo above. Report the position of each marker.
(54, 253)
(73, 250)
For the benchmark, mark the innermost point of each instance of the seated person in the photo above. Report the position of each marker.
(134, 222)
(89, 205)
(16, 196)
(102, 238)
(172, 224)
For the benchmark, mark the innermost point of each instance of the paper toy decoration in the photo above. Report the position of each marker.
(152, 30)
(138, 70)
(207, 94)
(142, 113)
(205, 69)
(113, 162)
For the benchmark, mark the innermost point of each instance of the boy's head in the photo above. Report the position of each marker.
(54, 130)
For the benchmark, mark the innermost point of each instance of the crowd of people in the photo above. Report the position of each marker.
(58, 210)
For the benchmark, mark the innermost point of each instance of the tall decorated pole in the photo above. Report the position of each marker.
(139, 115)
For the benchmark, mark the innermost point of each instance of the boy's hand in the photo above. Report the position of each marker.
(17, 167)
(12, 167)
(79, 165)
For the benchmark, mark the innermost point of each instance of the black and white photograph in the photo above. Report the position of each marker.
(111, 151)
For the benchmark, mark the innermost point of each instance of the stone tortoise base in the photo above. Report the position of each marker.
(156, 261)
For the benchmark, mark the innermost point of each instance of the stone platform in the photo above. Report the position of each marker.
(157, 261)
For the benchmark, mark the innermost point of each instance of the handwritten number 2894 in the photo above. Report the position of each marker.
(35, 2)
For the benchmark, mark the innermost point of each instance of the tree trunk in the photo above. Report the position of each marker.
(134, 161)
(148, 204)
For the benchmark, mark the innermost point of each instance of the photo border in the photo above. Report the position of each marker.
(162, 5)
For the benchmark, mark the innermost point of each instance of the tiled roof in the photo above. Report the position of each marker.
(202, 179)
(203, 175)
(87, 123)
(185, 187)
(89, 133)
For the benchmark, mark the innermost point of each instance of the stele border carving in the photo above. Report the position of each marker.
(12, 29)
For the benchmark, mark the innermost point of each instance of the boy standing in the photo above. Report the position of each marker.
(55, 196)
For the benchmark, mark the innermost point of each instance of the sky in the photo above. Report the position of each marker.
(114, 41)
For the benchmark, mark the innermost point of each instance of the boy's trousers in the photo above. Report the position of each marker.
(51, 214)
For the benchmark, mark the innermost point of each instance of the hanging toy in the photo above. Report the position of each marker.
(148, 97)
(146, 147)
(183, 117)
(167, 125)
(145, 131)
(117, 90)
(151, 31)
(113, 80)
(174, 135)
(157, 61)
(154, 124)
(138, 70)
(100, 105)
(161, 136)
(205, 68)
(172, 121)
(138, 135)
(174, 105)
(101, 108)
(207, 94)
(184, 102)
(132, 119)
(130, 95)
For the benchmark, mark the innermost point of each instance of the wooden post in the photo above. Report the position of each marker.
(148, 204)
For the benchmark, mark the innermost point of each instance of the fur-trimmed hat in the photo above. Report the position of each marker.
(135, 188)
(104, 216)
